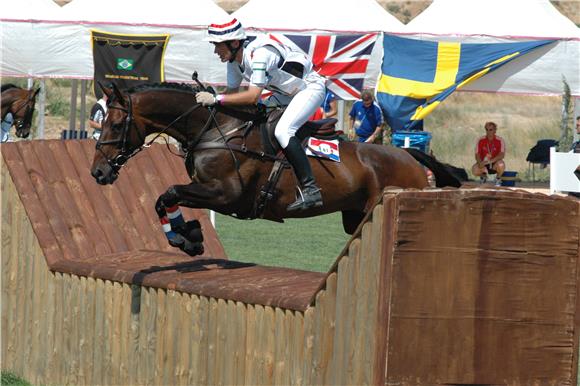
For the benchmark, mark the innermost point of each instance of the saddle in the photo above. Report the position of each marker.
(321, 129)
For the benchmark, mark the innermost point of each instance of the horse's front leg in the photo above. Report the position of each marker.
(188, 235)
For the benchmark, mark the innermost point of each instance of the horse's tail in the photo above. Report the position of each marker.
(443, 176)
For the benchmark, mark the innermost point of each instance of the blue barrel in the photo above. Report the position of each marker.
(418, 139)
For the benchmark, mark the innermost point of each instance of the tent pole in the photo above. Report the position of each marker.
(41, 109)
(73, 106)
(83, 106)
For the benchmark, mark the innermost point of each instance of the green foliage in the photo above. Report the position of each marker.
(57, 101)
(566, 135)
(310, 244)
(10, 379)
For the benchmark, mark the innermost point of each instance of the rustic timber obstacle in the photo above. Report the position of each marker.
(452, 286)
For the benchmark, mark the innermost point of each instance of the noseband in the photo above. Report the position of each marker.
(121, 142)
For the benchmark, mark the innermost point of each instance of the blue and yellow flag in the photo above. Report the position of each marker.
(417, 75)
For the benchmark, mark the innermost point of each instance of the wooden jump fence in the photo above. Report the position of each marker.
(454, 286)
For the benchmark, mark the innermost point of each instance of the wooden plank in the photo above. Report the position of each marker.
(281, 355)
(204, 332)
(269, 344)
(18, 331)
(89, 320)
(160, 326)
(197, 314)
(308, 344)
(170, 347)
(125, 332)
(50, 327)
(33, 295)
(298, 349)
(240, 343)
(251, 361)
(212, 342)
(185, 341)
(43, 302)
(108, 336)
(7, 193)
(58, 355)
(341, 316)
(73, 329)
(226, 338)
(148, 335)
(66, 331)
(361, 313)
(376, 255)
(98, 357)
(348, 361)
(116, 331)
(27, 260)
(328, 322)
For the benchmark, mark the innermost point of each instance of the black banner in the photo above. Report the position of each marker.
(127, 60)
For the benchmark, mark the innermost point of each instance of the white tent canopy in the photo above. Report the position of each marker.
(41, 41)
(474, 21)
(324, 17)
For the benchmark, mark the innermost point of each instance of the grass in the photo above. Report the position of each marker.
(10, 379)
(310, 244)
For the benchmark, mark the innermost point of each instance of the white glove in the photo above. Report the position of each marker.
(205, 98)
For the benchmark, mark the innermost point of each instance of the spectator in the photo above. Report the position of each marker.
(329, 105)
(7, 123)
(489, 154)
(366, 118)
(98, 113)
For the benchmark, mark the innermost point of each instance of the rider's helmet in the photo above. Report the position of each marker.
(232, 30)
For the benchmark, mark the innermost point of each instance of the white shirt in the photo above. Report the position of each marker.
(262, 59)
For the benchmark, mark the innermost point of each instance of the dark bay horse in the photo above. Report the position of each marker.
(20, 102)
(229, 167)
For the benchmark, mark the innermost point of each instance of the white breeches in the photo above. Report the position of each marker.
(301, 107)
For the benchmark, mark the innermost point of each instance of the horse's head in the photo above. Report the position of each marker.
(121, 138)
(22, 109)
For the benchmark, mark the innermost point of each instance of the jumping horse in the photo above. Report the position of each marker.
(20, 102)
(236, 166)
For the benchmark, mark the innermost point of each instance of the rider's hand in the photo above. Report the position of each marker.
(205, 98)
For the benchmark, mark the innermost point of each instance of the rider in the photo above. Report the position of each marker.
(268, 64)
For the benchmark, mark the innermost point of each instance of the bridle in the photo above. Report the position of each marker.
(122, 142)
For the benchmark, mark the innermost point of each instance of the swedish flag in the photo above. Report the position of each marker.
(417, 75)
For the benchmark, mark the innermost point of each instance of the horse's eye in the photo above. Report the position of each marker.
(116, 127)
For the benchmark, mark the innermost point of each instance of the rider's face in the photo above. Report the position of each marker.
(223, 51)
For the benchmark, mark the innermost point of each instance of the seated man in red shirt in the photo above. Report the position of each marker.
(489, 154)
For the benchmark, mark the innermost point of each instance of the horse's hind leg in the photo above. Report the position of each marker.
(186, 236)
(351, 220)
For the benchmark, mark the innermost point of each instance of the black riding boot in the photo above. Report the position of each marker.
(310, 192)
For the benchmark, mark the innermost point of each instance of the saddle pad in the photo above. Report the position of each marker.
(323, 148)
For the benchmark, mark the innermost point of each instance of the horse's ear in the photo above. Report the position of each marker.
(107, 91)
(118, 95)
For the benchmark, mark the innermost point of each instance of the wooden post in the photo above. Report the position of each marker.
(73, 105)
(83, 107)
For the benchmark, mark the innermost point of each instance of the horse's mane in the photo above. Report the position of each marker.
(181, 87)
(8, 86)
(164, 85)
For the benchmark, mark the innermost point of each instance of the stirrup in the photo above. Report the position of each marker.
(310, 198)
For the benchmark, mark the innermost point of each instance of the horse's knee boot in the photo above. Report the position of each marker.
(191, 248)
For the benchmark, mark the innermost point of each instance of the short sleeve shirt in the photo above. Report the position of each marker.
(489, 149)
(97, 113)
(366, 119)
(264, 60)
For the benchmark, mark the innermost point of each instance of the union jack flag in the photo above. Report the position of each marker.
(343, 59)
